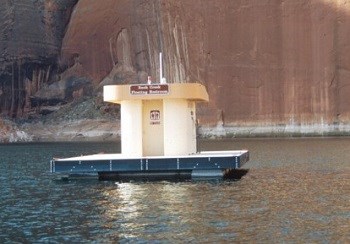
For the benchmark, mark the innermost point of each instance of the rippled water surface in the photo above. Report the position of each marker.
(296, 190)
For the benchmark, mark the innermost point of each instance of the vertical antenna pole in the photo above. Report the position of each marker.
(160, 68)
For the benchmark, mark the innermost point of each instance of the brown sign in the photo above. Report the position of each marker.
(155, 89)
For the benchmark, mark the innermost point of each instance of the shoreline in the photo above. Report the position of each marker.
(109, 131)
(275, 131)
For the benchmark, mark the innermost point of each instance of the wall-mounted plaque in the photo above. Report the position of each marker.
(155, 89)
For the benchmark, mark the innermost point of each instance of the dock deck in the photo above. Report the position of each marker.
(119, 167)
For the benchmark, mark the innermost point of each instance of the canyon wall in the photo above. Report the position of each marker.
(265, 63)
(31, 37)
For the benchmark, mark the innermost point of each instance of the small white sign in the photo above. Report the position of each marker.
(154, 117)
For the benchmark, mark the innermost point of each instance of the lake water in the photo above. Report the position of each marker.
(296, 190)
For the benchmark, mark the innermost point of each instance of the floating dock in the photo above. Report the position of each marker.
(158, 137)
(210, 164)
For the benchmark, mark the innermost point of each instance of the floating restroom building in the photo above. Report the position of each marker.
(158, 138)
(157, 119)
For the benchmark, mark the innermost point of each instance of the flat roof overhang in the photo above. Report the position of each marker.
(189, 91)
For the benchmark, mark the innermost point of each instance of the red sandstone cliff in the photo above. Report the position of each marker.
(31, 37)
(263, 61)
(266, 63)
